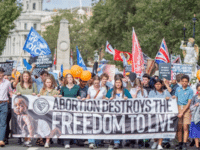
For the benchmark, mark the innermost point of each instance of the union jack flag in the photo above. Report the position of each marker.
(163, 54)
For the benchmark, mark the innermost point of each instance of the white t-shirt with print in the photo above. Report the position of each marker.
(92, 92)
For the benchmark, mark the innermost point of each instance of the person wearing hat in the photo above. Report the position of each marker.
(5, 88)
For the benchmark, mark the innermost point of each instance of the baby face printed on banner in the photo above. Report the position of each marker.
(20, 106)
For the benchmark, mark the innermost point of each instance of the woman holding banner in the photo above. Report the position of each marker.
(48, 90)
(118, 92)
(138, 91)
(70, 89)
(95, 92)
(158, 92)
(26, 87)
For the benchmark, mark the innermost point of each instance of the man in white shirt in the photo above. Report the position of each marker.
(5, 88)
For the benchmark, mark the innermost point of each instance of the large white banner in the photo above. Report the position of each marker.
(93, 119)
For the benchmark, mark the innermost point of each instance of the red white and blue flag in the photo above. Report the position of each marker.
(163, 54)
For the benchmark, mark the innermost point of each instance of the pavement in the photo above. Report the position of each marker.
(13, 146)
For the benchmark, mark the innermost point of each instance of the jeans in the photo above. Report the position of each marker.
(117, 141)
(94, 141)
(3, 117)
(8, 121)
(66, 141)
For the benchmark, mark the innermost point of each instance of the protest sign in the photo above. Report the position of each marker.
(181, 68)
(44, 61)
(7, 66)
(93, 119)
(165, 71)
(110, 70)
(128, 68)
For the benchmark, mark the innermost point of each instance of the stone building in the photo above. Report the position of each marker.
(31, 16)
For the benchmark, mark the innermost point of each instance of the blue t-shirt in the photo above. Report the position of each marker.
(156, 94)
(183, 95)
(83, 92)
(126, 93)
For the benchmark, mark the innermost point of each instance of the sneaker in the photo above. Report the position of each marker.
(154, 145)
(184, 146)
(159, 147)
(6, 141)
(46, 145)
(67, 146)
(92, 146)
(27, 143)
(19, 141)
(178, 147)
(116, 146)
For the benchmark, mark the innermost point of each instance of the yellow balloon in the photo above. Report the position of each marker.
(76, 71)
(86, 75)
(65, 72)
(16, 74)
(198, 75)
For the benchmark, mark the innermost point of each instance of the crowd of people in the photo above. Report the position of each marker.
(123, 87)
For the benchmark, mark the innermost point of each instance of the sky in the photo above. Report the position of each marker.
(63, 4)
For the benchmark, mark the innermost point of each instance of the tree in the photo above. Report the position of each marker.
(152, 19)
(10, 10)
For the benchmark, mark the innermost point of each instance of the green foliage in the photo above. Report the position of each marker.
(10, 10)
(113, 20)
(152, 19)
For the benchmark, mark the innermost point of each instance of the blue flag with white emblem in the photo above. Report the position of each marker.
(80, 61)
(35, 44)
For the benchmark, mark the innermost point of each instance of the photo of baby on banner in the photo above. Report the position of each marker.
(26, 124)
(65, 117)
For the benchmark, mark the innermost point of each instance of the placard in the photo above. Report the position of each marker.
(181, 69)
(44, 61)
(165, 71)
(7, 66)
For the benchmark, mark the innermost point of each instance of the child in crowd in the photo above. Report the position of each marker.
(158, 92)
(184, 96)
(195, 121)
(48, 90)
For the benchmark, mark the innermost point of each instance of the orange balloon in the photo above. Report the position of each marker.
(86, 75)
(16, 74)
(65, 72)
(198, 75)
(76, 71)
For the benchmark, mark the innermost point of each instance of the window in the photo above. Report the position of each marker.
(27, 5)
(25, 37)
(25, 26)
(35, 26)
(34, 6)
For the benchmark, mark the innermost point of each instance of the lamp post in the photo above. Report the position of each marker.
(184, 29)
(194, 20)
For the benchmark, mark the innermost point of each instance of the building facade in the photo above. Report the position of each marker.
(31, 16)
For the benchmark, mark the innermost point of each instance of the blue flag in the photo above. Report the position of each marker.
(80, 61)
(61, 70)
(26, 64)
(35, 44)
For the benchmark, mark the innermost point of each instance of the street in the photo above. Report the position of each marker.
(13, 146)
